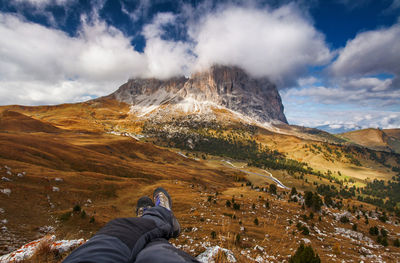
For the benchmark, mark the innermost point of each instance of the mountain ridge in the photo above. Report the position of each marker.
(220, 87)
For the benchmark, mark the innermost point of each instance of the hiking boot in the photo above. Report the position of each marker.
(143, 204)
(162, 198)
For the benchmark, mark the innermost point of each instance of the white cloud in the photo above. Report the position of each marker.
(374, 84)
(166, 58)
(142, 10)
(43, 65)
(275, 43)
(355, 83)
(279, 43)
(363, 91)
(360, 118)
(307, 81)
(41, 3)
(371, 52)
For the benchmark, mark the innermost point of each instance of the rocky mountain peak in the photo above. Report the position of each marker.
(218, 87)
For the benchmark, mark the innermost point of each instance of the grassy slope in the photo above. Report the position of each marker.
(384, 140)
(107, 169)
(295, 149)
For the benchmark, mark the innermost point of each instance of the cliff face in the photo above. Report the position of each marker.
(220, 86)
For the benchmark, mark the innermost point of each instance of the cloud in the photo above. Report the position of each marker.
(41, 3)
(394, 6)
(362, 91)
(278, 43)
(346, 118)
(166, 58)
(364, 75)
(363, 120)
(371, 52)
(307, 81)
(142, 9)
(43, 65)
(350, 4)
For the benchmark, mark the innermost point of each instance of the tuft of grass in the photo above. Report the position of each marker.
(220, 257)
(83, 214)
(65, 216)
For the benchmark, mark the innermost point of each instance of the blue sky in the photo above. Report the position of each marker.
(335, 62)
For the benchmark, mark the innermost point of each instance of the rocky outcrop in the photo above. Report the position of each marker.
(220, 86)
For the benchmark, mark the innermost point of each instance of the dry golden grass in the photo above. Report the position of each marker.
(393, 133)
(293, 147)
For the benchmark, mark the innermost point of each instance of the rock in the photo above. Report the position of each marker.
(5, 179)
(6, 191)
(208, 255)
(220, 86)
(259, 259)
(257, 247)
(306, 240)
(46, 229)
(2, 211)
(88, 203)
(4, 221)
(347, 214)
(365, 251)
(25, 252)
(20, 174)
(56, 189)
(58, 179)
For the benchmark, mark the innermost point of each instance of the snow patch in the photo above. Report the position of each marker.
(208, 255)
(46, 229)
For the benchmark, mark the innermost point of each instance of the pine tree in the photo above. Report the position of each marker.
(304, 254)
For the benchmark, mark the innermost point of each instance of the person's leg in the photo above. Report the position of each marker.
(161, 251)
(123, 238)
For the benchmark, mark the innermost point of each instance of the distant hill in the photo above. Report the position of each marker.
(377, 139)
(336, 129)
(18, 122)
